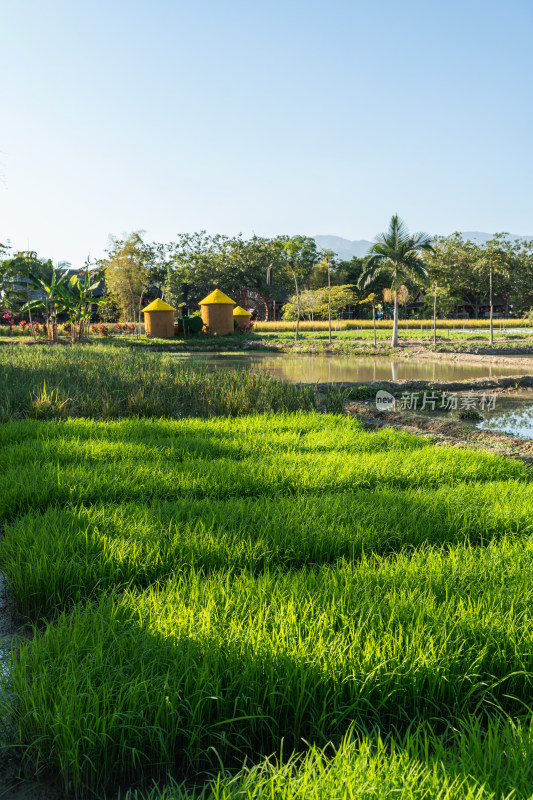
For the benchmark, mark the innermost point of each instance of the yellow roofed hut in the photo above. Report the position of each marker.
(159, 320)
(217, 313)
(241, 316)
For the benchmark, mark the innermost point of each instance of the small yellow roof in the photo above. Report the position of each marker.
(239, 311)
(158, 305)
(216, 297)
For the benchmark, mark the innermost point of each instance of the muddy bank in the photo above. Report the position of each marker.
(449, 432)
(495, 357)
(396, 387)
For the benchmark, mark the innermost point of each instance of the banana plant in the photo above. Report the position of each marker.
(79, 295)
(53, 299)
(74, 295)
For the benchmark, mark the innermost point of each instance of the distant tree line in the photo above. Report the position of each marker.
(293, 271)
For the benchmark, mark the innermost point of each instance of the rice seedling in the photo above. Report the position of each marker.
(210, 591)
(88, 548)
(142, 683)
(466, 764)
(129, 472)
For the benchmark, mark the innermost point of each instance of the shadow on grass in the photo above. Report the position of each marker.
(58, 556)
(136, 687)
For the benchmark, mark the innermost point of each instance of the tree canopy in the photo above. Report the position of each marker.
(461, 268)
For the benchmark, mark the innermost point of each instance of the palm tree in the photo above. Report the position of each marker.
(400, 255)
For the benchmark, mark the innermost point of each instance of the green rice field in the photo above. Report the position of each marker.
(276, 605)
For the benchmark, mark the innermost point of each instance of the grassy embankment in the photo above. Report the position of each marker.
(412, 325)
(207, 591)
(354, 336)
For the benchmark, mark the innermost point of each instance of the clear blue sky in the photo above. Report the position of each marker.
(273, 117)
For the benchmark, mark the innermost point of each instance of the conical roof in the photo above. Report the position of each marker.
(239, 311)
(158, 305)
(216, 297)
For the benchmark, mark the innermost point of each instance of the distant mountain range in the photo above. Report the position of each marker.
(347, 249)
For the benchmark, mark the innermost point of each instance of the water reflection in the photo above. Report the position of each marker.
(333, 369)
(513, 414)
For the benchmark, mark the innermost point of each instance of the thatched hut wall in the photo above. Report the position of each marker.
(218, 318)
(159, 320)
(217, 313)
(159, 324)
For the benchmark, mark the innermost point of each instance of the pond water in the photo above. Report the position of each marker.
(505, 412)
(334, 369)
(512, 414)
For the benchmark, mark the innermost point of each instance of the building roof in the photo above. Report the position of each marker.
(158, 305)
(239, 311)
(216, 297)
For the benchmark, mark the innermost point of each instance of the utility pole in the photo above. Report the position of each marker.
(435, 316)
(490, 301)
(329, 299)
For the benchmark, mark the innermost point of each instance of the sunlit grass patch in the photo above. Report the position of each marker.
(206, 591)
(89, 548)
(237, 662)
(466, 764)
(83, 474)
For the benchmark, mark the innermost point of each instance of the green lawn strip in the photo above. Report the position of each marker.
(58, 556)
(140, 683)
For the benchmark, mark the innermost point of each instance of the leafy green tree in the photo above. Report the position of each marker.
(455, 265)
(127, 274)
(521, 288)
(15, 272)
(445, 302)
(373, 298)
(315, 303)
(464, 270)
(301, 255)
(400, 256)
(198, 263)
(332, 270)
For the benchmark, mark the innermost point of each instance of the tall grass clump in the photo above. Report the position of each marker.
(103, 382)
